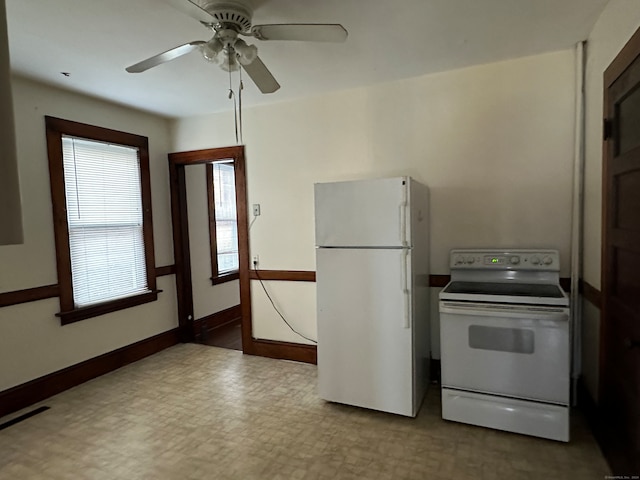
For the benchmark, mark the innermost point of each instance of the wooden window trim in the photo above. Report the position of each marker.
(82, 313)
(55, 128)
(225, 277)
(216, 277)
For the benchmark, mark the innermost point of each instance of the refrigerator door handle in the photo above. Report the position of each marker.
(403, 214)
(406, 289)
(403, 224)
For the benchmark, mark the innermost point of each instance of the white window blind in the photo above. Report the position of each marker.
(224, 190)
(104, 214)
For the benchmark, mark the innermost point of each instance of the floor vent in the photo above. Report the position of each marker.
(23, 417)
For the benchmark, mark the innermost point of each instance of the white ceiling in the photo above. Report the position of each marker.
(94, 40)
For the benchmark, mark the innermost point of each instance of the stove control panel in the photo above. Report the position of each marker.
(505, 259)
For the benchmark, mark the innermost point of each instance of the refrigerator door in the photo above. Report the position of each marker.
(365, 327)
(363, 213)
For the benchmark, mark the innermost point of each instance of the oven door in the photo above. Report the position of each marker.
(510, 350)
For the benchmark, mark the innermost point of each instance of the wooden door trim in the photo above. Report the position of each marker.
(180, 229)
(177, 163)
(625, 57)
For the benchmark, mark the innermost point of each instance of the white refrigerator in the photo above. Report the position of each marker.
(372, 279)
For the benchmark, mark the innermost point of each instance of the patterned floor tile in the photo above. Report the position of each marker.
(195, 412)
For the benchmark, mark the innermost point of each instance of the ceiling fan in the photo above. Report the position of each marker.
(229, 20)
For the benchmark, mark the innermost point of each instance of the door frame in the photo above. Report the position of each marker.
(182, 253)
(184, 289)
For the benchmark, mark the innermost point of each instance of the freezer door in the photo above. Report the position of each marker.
(365, 328)
(363, 213)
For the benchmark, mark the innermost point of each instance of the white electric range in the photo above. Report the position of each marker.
(505, 342)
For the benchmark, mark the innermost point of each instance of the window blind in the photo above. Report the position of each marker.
(224, 190)
(104, 215)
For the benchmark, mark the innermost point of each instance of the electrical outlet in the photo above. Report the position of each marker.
(256, 260)
(256, 209)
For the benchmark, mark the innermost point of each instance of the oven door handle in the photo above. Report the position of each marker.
(518, 313)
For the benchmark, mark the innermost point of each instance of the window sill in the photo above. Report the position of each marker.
(91, 311)
(224, 278)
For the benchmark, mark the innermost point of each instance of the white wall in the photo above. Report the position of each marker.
(493, 142)
(207, 298)
(32, 342)
(617, 23)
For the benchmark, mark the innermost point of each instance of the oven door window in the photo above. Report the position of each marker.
(500, 339)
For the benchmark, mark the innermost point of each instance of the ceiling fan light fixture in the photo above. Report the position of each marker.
(246, 53)
(229, 62)
(211, 49)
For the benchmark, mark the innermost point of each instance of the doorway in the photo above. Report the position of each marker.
(224, 329)
(620, 336)
(187, 324)
(210, 230)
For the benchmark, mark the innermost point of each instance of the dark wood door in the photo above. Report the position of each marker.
(620, 375)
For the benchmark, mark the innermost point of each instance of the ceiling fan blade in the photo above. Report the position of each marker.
(309, 32)
(192, 9)
(261, 76)
(165, 57)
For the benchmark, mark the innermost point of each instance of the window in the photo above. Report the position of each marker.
(102, 218)
(223, 224)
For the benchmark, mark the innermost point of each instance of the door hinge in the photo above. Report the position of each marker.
(607, 128)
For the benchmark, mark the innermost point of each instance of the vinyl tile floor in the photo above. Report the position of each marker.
(195, 412)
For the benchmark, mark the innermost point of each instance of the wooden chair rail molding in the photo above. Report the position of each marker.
(51, 291)
(285, 275)
(439, 281)
(28, 295)
(435, 281)
(589, 292)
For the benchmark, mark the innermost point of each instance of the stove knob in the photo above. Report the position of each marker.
(535, 260)
(470, 260)
(547, 260)
(459, 260)
(514, 260)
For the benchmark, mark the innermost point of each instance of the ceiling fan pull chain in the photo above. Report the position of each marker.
(235, 116)
(240, 88)
(235, 108)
